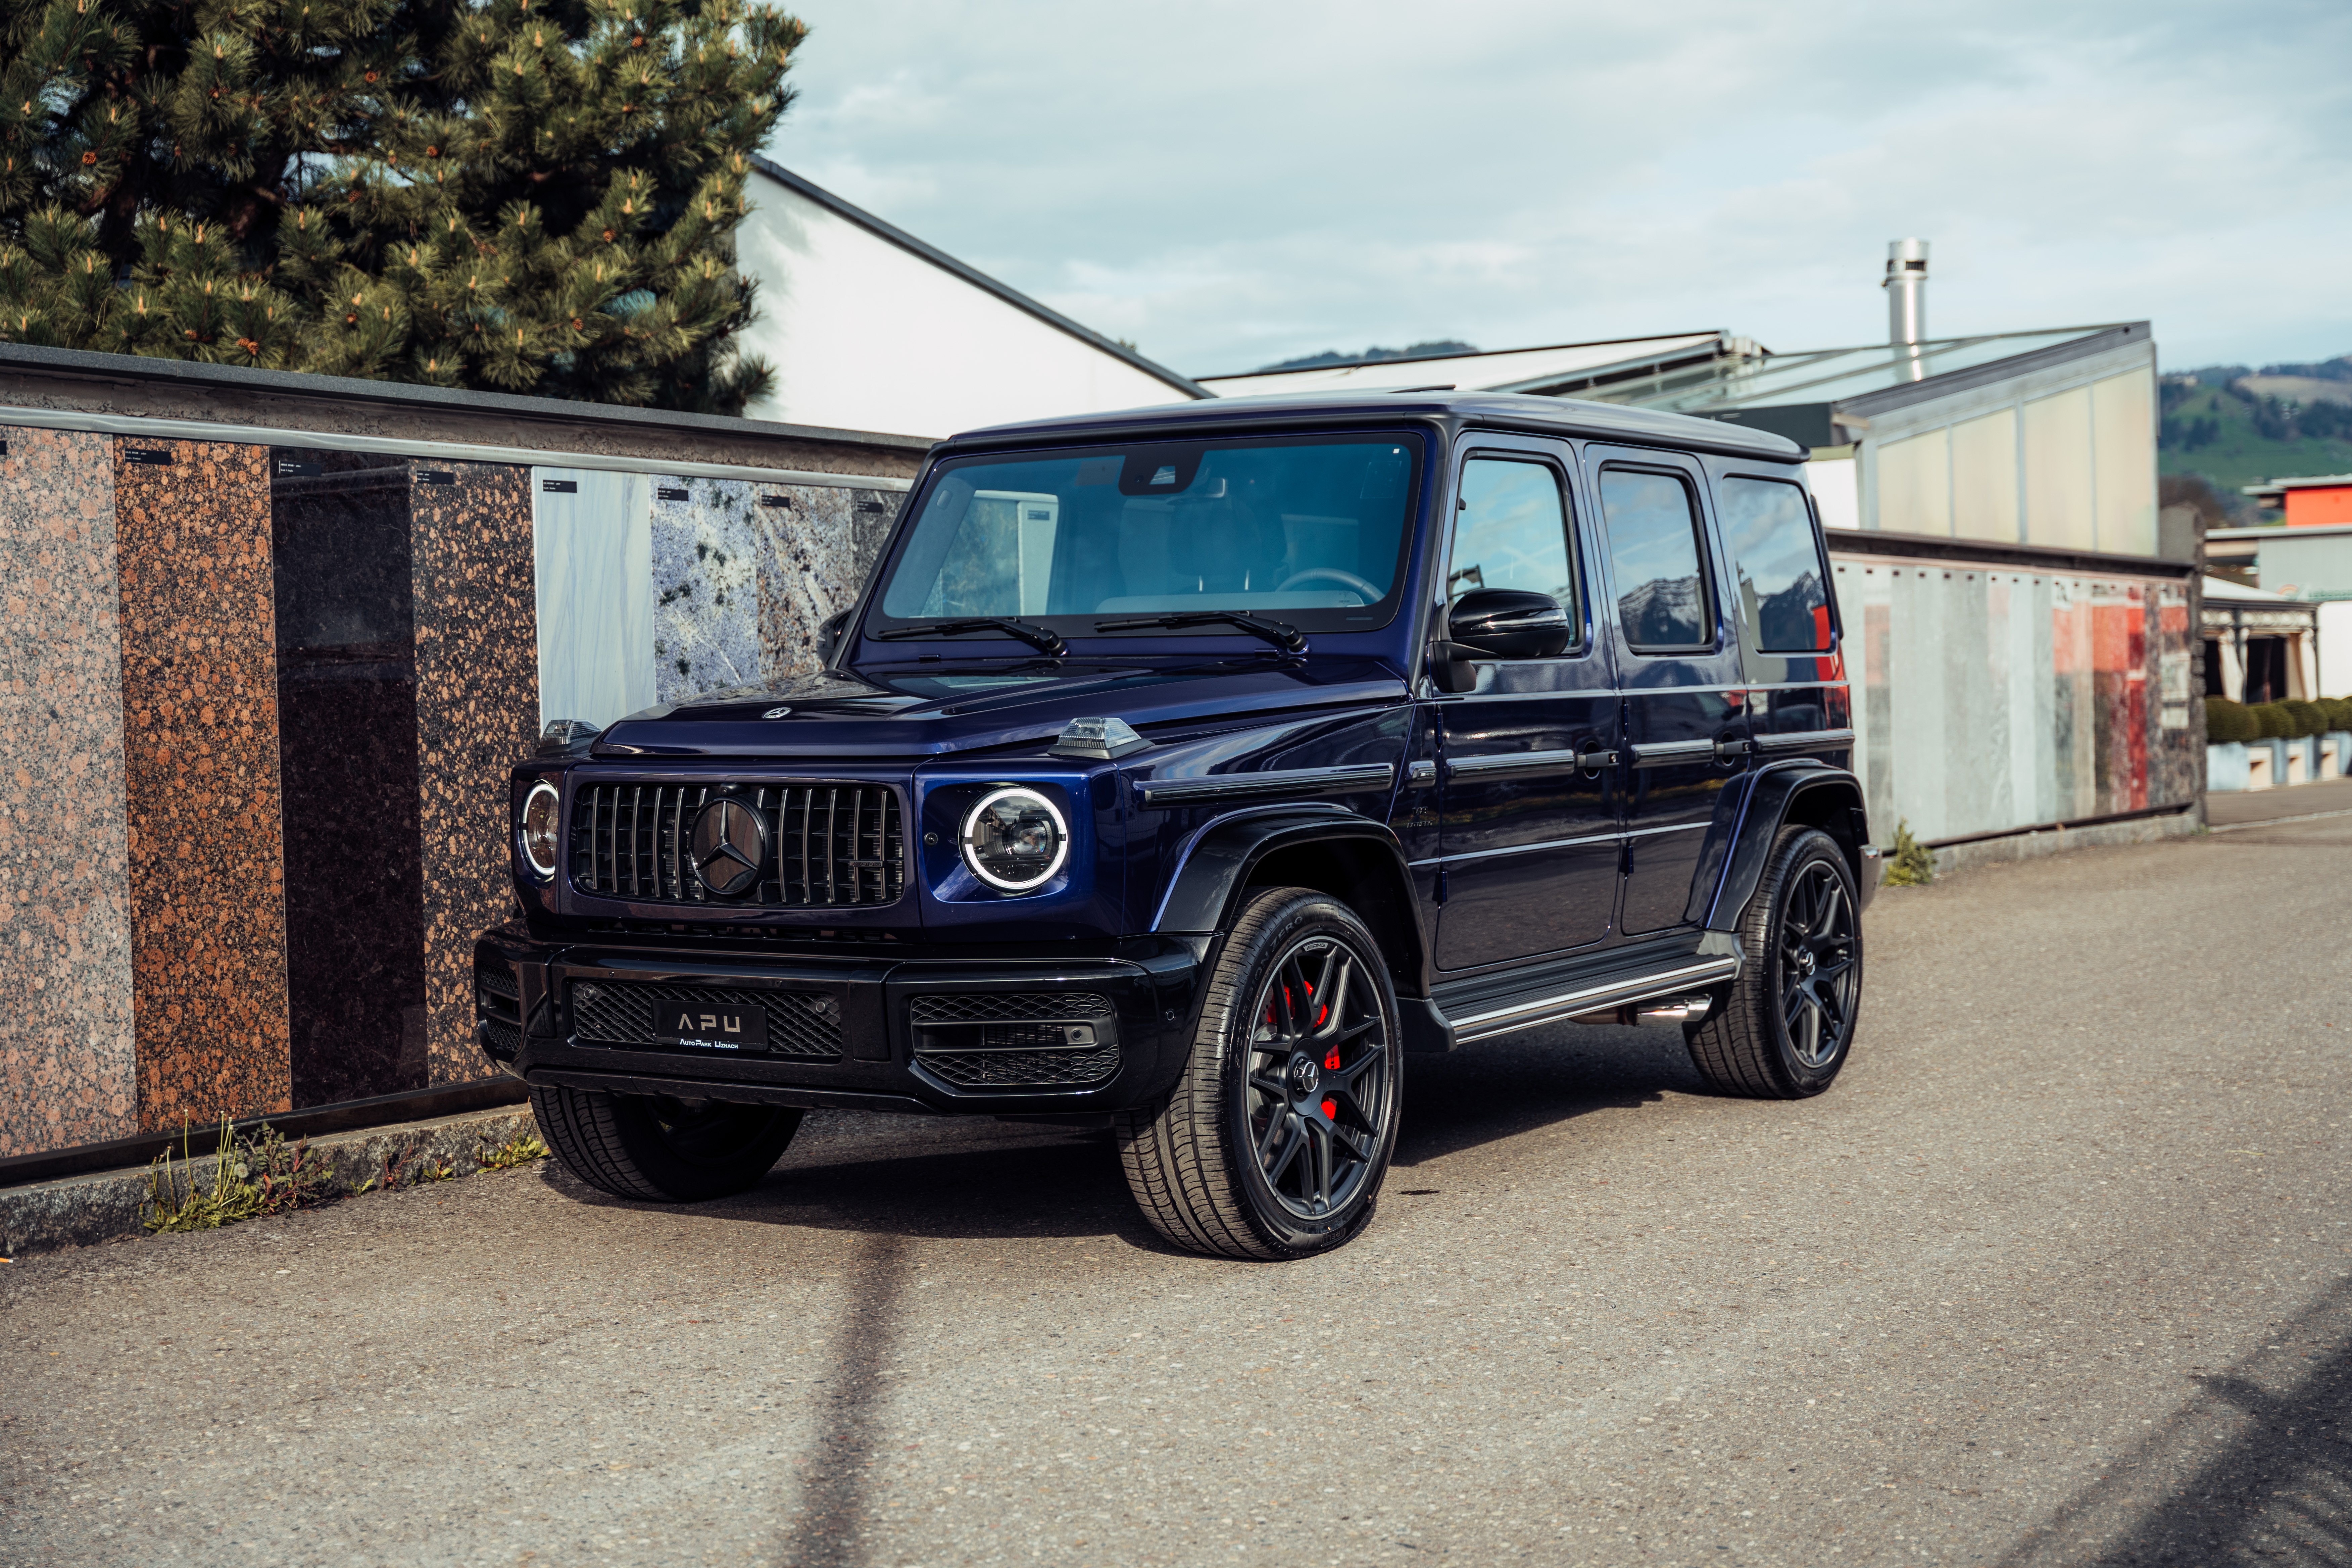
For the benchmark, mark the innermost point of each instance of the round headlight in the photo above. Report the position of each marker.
(542, 823)
(1015, 840)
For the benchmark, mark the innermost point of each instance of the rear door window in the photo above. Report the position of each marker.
(1768, 530)
(1657, 560)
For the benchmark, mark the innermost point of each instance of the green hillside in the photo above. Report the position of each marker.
(2234, 439)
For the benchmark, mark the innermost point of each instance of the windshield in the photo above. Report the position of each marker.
(1310, 532)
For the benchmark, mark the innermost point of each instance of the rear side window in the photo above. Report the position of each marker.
(1770, 533)
(1510, 531)
(1653, 544)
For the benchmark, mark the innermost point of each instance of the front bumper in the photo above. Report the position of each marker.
(931, 1030)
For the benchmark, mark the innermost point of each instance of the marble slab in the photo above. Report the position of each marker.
(200, 728)
(592, 543)
(476, 715)
(707, 555)
(69, 1063)
(817, 549)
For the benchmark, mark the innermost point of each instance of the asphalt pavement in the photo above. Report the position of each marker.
(2059, 1272)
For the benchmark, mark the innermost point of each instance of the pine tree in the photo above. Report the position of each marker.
(518, 196)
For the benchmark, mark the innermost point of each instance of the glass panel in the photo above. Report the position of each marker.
(2123, 416)
(1511, 531)
(1312, 530)
(1654, 545)
(1770, 536)
(1914, 485)
(2058, 471)
(1984, 478)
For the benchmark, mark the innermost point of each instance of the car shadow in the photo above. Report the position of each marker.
(2256, 1466)
(978, 1179)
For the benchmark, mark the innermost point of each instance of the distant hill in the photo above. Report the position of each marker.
(2236, 426)
(1430, 350)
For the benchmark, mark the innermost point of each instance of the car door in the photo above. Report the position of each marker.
(1686, 720)
(1527, 828)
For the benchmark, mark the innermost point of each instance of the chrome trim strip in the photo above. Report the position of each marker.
(1666, 753)
(1622, 692)
(1509, 764)
(1164, 793)
(1560, 843)
(1569, 1003)
(1797, 739)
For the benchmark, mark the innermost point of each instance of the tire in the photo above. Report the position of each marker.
(1786, 1025)
(661, 1150)
(1266, 1149)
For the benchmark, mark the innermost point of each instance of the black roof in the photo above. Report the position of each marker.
(1490, 410)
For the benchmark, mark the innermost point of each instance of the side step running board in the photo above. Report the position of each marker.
(1503, 1017)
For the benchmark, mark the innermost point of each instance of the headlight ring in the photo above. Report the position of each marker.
(1015, 840)
(541, 834)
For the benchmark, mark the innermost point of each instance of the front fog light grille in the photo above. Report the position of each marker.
(497, 1006)
(1015, 1040)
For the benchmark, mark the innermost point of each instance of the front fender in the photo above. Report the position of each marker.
(1812, 793)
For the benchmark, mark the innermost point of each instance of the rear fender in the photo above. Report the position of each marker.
(1809, 792)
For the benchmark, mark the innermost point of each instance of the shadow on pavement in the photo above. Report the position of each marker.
(2256, 1468)
(830, 1530)
(947, 1178)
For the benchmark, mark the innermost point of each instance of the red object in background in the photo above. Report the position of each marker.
(2318, 505)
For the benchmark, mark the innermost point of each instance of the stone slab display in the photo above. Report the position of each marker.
(200, 730)
(476, 716)
(348, 769)
(68, 1068)
(592, 547)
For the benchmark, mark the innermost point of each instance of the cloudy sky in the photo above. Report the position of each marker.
(1229, 184)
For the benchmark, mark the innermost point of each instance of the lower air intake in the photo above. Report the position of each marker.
(1010, 1040)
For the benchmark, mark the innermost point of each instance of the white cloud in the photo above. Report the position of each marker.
(1232, 184)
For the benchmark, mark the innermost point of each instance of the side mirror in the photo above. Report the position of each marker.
(828, 636)
(1509, 622)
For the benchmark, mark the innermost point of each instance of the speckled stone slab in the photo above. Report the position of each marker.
(476, 716)
(816, 550)
(707, 551)
(200, 727)
(68, 1068)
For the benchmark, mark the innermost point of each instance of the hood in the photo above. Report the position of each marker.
(884, 712)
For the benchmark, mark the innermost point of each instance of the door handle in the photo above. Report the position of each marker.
(1593, 762)
(1732, 750)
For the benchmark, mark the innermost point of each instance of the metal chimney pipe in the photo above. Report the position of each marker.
(1907, 297)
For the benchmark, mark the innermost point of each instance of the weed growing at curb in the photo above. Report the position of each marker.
(1911, 866)
(519, 1149)
(172, 1207)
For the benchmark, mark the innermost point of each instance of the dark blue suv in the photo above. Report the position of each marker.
(1182, 771)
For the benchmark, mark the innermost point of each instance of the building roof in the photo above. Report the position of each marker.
(2278, 531)
(1565, 416)
(976, 278)
(2277, 489)
(1555, 370)
(2221, 590)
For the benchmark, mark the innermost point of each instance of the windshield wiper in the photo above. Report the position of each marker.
(1045, 640)
(1287, 637)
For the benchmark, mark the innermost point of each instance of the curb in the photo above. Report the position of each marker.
(2033, 846)
(110, 1205)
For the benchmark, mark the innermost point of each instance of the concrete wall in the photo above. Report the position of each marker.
(866, 334)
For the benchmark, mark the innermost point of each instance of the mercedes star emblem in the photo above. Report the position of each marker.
(731, 842)
(775, 713)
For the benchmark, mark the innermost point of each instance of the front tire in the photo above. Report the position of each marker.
(1274, 1143)
(1787, 1023)
(660, 1149)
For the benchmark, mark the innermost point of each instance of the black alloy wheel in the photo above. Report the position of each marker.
(1275, 1141)
(1318, 1080)
(1785, 1025)
(1817, 967)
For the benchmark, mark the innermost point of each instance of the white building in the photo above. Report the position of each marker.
(870, 329)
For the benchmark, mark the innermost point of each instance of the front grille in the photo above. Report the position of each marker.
(1015, 1040)
(801, 1024)
(1007, 1006)
(829, 846)
(505, 1039)
(1021, 1069)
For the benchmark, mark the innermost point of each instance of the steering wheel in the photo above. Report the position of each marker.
(1370, 594)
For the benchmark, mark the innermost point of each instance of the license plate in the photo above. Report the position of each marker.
(710, 1025)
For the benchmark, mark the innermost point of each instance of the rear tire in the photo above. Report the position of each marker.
(660, 1149)
(1274, 1143)
(1786, 1025)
